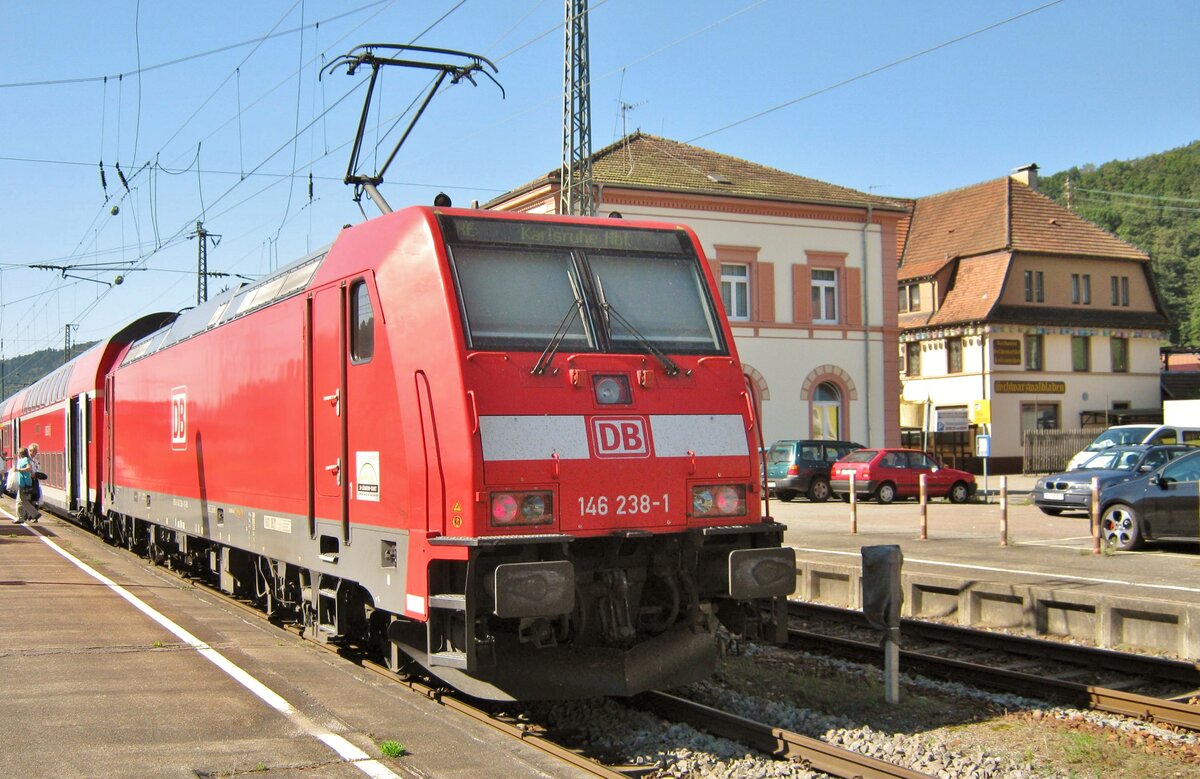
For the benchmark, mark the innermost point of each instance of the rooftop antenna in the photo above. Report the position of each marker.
(369, 54)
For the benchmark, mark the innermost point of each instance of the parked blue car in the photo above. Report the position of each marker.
(1157, 506)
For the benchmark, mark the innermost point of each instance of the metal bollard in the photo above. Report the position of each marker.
(1095, 515)
(853, 507)
(924, 510)
(1003, 511)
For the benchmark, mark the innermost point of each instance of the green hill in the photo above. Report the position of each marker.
(1154, 203)
(19, 372)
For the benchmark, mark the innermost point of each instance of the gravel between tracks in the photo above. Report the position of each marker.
(947, 749)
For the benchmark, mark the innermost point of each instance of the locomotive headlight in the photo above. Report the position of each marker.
(522, 508)
(612, 390)
(719, 500)
(504, 509)
(533, 508)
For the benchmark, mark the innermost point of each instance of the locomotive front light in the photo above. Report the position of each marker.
(504, 509)
(719, 500)
(522, 508)
(533, 508)
(612, 390)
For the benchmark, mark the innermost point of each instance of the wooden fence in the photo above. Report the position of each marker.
(1049, 451)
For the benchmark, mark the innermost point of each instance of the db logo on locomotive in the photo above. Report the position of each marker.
(620, 437)
(179, 418)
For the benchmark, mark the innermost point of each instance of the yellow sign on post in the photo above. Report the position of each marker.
(981, 412)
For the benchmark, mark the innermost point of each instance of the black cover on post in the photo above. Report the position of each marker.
(882, 596)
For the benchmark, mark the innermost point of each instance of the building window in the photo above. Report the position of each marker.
(1081, 288)
(1033, 353)
(824, 296)
(954, 349)
(1035, 290)
(1081, 358)
(1038, 416)
(735, 291)
(912, 294)
(1120, 354)
(912, 359)
(1120, 290)
(827, 412)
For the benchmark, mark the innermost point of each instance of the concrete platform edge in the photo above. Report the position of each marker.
(1123, 623)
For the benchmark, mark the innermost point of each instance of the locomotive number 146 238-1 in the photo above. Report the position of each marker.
(622, 505)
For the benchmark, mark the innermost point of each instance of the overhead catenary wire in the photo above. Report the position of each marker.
(259, 173)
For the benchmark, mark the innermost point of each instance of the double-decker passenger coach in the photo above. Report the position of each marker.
(516, 450)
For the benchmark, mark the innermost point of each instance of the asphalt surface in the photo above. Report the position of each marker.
(965, 540)
(94, 687)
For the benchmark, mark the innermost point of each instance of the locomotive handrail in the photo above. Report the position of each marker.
(749, 409)
(474, 412)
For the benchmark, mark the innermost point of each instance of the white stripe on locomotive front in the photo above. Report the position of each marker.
(673, 435)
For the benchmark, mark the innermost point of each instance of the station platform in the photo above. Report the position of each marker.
(1046, 582)
(113, 668)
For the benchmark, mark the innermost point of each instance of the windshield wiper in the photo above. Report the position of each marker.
(606, 308)
(556, 340)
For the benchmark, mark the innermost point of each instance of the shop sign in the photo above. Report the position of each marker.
(1006, 351)
(1031, 387)
(952, 420)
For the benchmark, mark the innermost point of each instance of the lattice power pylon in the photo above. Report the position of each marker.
(576, 195)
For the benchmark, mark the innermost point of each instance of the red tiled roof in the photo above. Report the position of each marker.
(1041, 226)
(646, 161)
(978, 283)
(1001, 215)
(962, 223)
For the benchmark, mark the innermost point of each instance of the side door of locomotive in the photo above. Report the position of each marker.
(328, 469)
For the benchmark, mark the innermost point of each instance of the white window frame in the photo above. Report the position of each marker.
(826, 290)
(731, 283)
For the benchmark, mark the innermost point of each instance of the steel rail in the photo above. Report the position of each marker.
(1170, 712)
(1150, 666)
(783, 744)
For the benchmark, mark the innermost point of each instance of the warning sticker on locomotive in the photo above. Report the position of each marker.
(366, 486)
(179, 418)
(278, 524)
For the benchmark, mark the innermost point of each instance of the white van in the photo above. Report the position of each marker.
(1120, 435)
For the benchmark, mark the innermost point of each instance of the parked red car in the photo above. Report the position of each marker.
(887, 474)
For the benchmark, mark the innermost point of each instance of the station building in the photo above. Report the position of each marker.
(807, 272)
(1008, 298)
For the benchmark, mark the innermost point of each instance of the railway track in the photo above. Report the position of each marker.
(777, 742)
(783, 744)
(1151, 688)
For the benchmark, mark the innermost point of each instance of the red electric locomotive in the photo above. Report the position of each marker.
(514, 449)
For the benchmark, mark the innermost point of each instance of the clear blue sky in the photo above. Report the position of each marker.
(1078, 81)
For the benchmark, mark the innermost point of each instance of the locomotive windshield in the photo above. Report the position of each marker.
(523, 285)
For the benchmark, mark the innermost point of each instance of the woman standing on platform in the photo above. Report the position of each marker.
(27, 510)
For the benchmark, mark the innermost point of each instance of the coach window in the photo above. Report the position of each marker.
(362, 324)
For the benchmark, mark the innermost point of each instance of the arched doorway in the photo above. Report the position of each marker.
(829, 391)
(827, 411)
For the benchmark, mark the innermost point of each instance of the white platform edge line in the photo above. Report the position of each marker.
(346, 750)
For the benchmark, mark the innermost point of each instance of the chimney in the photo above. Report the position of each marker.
(1027, 175)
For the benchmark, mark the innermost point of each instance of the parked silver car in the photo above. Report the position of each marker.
(1072, 490)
